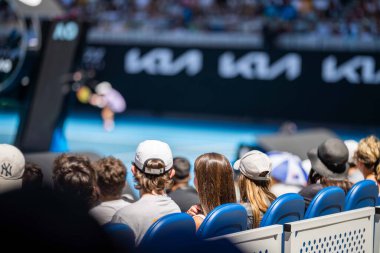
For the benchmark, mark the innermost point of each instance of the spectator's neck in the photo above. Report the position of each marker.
(370, 176)
(179, 185)
(153, 193)
(109, 198)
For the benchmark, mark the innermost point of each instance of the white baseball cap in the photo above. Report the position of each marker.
(153, 149)
(253, 163)
(12, 166)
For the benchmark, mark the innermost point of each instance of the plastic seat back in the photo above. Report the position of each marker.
(362, 194)
(224, 219)
(286, 208)
(121, 235)
(329, 200)
(171, 229)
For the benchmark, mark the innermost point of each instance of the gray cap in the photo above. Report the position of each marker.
(330, 159)
(253, 164)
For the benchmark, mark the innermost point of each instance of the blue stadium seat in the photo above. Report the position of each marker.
(172, 229)
(224, 219)
(121, 235)
(362, 194)
(328, 201)
(286, 208)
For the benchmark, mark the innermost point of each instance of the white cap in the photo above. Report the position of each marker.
(253, 163)
(103, 87)
(352, 146)
(12, 166)
(153, 149)
(306, 165)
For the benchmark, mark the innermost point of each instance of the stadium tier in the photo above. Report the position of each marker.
(190, 126)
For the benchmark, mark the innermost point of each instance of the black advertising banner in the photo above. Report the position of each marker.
(45, 105)
(307, 85)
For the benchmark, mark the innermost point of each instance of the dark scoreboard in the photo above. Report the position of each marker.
(44, 109)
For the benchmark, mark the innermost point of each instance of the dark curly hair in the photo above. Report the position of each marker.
(111, 174)
(33, 176)
(75, 175)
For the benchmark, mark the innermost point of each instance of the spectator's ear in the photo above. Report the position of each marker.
(96, 193)
(133, 169)
(172, 173)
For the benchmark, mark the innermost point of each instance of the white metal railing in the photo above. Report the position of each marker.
(350, 231)
(259, 240)
(376, 241)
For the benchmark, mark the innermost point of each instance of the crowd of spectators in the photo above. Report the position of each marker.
(348, 18)
(98, 185)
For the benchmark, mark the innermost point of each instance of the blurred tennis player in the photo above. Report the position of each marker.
(107, 98)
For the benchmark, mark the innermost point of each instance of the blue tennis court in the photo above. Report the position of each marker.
(187, 137)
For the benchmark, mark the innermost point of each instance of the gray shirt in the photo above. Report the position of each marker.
(251, 219)
(104, 212)
(144, 212)
(185, 197)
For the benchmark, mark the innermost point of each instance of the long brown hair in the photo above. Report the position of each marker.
(215, 183)
(257, 194)
(314, 177)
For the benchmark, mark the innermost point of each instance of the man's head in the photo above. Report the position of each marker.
(112, 175)
(75, 175)
(33, 176)
(182, 170)
(12, 166)
(152, 167)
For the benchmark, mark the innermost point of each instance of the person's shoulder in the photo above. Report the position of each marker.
(128, 197)
(280, 189)
(168, 205)
(126, 214)
(115, 204)
(184, 191)
(172, 203)
(130, 208)
(311, 189)
(176, 193)
(190, 189)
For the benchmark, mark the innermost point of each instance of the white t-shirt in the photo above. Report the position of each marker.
(280, 189)
(104, 212)
(140, 215)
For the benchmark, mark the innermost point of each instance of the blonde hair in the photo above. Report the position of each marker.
(257, 194)
(153, 183)
(368, 153)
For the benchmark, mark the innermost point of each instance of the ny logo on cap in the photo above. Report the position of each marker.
(6, 168)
